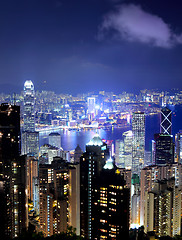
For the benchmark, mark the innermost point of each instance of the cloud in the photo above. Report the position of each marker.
(132, 23)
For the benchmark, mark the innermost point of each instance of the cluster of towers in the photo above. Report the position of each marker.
(95, 194)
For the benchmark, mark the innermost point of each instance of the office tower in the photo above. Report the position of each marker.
(77, 154)
(53, 152)
(91, 164)
(163, 209)
(153, 152)
(148, 158)
(178, 146)
(30, 138)
(119, 152)
(164, 149)
(138, 150)
(30, 143)
(29, 103)
(65, 155)
(128, 143)
(13, 198)
(55, 140)
(166, 121)
(91, 108)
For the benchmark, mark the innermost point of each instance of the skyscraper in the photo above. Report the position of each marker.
(13, 214)
(164, 149)
(29, 106)
(163, 209)
(30, 138)
(166, 121)
(91, 164)
(55, 139)
(104, 197)
(119, 152)
(178, 144)
(138, 150)
(91, 108)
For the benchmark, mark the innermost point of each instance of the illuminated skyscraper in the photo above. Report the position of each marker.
(91, 164)
(30, 138)
(119, 152)
(59, 196)
(164, 149)
(138, 150)
(55, 139)
(91, 107)
(163, 209)
(166, 121)
(123, 151)
(178, 143)
(29, 102)
(104, 197)
(13, 214)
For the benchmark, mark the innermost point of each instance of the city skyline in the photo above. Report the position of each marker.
(66, 46)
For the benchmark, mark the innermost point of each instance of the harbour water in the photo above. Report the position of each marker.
(70, 139)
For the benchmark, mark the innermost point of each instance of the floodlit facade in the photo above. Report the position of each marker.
(164, 152)
(55, 140)
(166, 121)
(29, 109)
(30, 138)
(163, 209)
(138, 149)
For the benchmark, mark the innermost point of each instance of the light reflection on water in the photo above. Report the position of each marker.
(70, 139)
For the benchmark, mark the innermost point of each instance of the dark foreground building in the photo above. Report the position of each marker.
(13, 214)
(104, 197)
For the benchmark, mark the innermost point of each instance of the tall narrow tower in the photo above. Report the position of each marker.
(30, 138)
(91, 164)
(166, 121)
(13, 214)
(29, 102)
(138, 150)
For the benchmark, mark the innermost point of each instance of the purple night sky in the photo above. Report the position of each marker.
(74, 46)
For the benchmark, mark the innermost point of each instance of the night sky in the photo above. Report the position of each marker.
(75, 46)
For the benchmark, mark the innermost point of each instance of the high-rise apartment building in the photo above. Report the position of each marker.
(110, 205)
(138, 149)
(91, 164)
(104, 197)
(13, 198)
(150, 174)
(163, 209)
(59, 196)
(166, 121)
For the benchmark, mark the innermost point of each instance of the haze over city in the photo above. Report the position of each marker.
(77, 46)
